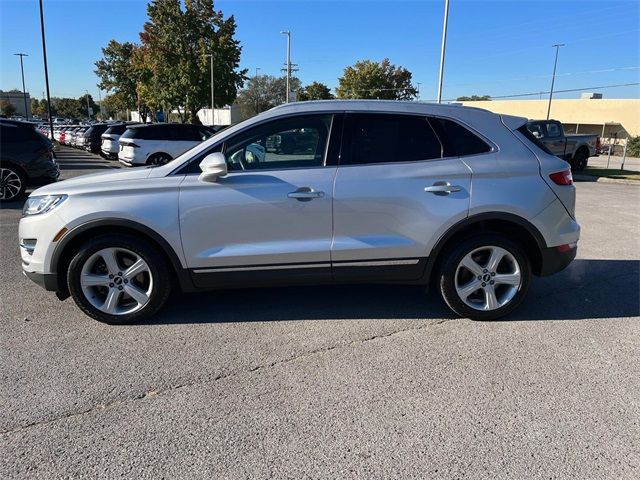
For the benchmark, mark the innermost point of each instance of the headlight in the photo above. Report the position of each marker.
(38, 205)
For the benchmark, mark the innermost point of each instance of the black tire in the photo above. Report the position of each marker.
(157, 266)
(580, 161)
(13, 183)
(449, 269)
(159, 159)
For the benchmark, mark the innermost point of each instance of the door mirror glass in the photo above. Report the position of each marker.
(213, 166)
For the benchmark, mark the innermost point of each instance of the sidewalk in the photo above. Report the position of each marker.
(630, 163)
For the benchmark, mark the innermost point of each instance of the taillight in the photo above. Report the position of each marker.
(130, 145)
(562, 178)
(598, 144)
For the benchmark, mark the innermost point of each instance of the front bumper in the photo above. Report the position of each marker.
(48, 281)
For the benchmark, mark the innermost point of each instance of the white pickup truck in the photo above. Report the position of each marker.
(575, 149)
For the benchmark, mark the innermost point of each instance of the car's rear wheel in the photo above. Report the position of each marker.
(159, 159)
(118, 279)
(485, 277)
(12, 183)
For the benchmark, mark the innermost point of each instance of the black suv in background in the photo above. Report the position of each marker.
(26, 159)
(93, 137)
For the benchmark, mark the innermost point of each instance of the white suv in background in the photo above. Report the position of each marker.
(315, 192)
(160, 143)
(109, 145)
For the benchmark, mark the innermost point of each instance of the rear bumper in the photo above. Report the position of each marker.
(556, 259)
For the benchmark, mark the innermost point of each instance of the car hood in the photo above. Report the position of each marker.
(95, 181)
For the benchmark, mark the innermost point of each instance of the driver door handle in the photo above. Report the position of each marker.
(304, 194)
(442, 188)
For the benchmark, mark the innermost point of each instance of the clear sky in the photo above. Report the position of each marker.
(494, 48)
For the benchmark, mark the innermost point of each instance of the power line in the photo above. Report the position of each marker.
(600, 87)
(526, 77)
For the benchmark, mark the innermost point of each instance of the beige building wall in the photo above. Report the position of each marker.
(621, 116)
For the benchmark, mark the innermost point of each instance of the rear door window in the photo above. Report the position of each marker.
(388, 138)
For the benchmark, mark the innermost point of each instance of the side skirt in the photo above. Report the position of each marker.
(409, 271)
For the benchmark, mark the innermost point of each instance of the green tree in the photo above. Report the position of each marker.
(176, 40)
(264, 92)
(633, 147)
(82, 106)
(7, 108)
(117, 73)
(368, 79)
(315, 91)
(474, 98)
(38, 107)
(66, 107)
(114, 106)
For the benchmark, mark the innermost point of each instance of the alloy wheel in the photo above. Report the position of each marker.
(10, 184)
(116, 281)
(488, 278)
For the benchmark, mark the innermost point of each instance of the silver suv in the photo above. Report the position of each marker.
(315, 192)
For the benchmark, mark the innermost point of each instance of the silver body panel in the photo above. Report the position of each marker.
(374, 215)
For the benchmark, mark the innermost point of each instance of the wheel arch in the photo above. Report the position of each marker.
(512, 226)
(15, 166)
(69, 243)
(156, 154)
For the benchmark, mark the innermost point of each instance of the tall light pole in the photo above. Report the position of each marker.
(257, 94)
(288, 34)
(210, 55)
(444, 47)
(24, 90)
(88, 108)
(46, 71)
(553, 78)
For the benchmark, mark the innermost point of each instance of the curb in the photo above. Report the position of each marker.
(593, 178)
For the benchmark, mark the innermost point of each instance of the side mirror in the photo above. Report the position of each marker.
(213, 166)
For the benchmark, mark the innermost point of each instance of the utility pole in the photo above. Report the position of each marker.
(88, 108)
(418, 90)
(210, 55)
(444, 47)
(257, 94)
(288, 34)
(100, 100)
(553, 78)
(24, 90)
(46, 71)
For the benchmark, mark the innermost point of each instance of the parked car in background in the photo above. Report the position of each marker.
(160, 143)
(93, 137)
(110, 146)
(575, 149)
(26, 159)
(389, 192)
(79, 139)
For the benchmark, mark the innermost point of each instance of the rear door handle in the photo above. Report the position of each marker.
(304, 194)
(442, 188)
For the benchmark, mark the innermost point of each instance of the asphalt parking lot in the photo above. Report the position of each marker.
(333, 382)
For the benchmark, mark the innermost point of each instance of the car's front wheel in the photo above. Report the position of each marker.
(485, 277)
(118, 279)
(12, 183)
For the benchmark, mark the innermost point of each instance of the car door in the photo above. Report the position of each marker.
(270, 217)
(394, 193)
(554, 140)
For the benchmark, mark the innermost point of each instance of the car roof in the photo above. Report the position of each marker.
(17, 123)
(152, 125)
